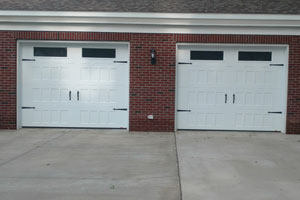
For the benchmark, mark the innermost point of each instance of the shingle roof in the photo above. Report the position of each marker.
(164, 6)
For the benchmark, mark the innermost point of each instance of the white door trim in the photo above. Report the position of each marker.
(19, 71)
(235, 45)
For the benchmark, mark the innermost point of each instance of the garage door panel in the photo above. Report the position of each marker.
(104, 118)
(103, 95)
(200, 75)
(265, 79)
(103, 74)
(200, 97)
(99, 74)
(277, 77)
(46, 117)
(238, 93)
(201, 120)
(45, 95)
(93, 118)
(96, 96)
(74, 91)
(259, 121)
(254, 98)
(267, 98)
(50, 70)
(253, 78)
(253, 121)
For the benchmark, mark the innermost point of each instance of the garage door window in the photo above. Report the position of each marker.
(98, 53)
(255, 56)
(207, 55)
(50, 52)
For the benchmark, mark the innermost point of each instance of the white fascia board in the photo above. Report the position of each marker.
(146, 15)
(150, 22)
(156, 29)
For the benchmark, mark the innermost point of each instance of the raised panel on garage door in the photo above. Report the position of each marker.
(102, 89)
(223, 93)
(46, 83)
(260, 89)
(201, 93)
(73, 90)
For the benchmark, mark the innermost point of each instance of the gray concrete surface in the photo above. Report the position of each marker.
(239, 166)
(62, 164)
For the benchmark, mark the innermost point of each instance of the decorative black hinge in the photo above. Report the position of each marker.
(120, 61)
(183, 110)
(28, 107)
(184, 63)
(123, 109)
(275, 112)
(276, 65)
(28, 59)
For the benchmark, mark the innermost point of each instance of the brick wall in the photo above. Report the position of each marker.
(152, 88)
(7, 80)
(293, 107)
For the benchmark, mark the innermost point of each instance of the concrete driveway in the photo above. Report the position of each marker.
(42, 164)
(62, 164)
(239, 166)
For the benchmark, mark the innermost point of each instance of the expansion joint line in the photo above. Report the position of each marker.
(178, 167)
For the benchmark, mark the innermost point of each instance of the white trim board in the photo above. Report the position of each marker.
(150, 22)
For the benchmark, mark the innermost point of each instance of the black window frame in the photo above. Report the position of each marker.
(207, 55)
(57, 52)
(96, 53)
(255, 56)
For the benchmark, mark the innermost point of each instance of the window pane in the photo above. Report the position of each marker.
(50, 51)
(98, 53)
(207, 55)
(255, 56)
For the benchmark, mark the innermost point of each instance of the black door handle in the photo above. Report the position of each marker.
(233, 99)
(225, 98)
(70, 95)
(77, 95)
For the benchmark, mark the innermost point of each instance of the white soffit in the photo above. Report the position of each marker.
(150, 22)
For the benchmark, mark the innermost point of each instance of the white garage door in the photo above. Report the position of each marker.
(75, 85)
(231, 88)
